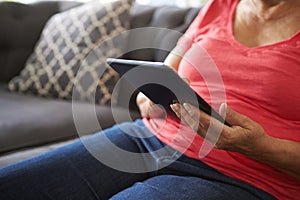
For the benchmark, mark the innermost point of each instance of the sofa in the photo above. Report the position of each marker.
(31, 124)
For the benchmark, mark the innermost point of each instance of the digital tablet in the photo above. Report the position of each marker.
(160, 84)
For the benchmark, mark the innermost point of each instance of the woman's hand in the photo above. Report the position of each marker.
(243, 136)
(147, 107)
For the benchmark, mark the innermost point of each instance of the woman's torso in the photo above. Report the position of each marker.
(259, 82)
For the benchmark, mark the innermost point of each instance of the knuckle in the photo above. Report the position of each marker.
(227, 139)
(220, 145)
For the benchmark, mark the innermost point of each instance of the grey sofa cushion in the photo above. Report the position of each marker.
(30, 121)
(20, 29)
(72, 51)
(169, 17)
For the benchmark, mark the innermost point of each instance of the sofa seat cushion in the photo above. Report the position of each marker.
(16, 156)
(27, 121)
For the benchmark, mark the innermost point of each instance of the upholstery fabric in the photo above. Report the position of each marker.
(168, 19)
(63, 49)
(20, 30)
(27, 121)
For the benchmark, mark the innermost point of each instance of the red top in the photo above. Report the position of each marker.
(259, 82)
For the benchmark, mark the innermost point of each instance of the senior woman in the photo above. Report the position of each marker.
(255, 45)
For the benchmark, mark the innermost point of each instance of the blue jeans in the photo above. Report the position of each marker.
(96, 168)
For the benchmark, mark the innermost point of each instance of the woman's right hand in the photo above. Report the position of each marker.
(147, 107)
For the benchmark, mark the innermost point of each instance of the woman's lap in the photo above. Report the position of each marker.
(166, 187)
(97, 168)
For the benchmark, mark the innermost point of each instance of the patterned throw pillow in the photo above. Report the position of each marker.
(67, 44)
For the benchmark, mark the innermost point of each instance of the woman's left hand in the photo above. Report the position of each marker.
(243, 136)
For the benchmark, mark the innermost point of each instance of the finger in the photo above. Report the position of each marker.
(186, 117)
(222, 110)
(151, 103)
(193, 119)
(209, 127)
(190, 118)
(176, 108)
(206, 126)
(192, 113)
(155, 111)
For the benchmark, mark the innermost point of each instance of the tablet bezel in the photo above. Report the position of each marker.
(123, 66)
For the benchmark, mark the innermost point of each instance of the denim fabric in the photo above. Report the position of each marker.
(79, 171)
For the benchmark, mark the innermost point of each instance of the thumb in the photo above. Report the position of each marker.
(232, 117)
(156, 111)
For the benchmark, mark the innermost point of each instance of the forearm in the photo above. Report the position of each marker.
(245, 136)
(281, 154)
(174, 58)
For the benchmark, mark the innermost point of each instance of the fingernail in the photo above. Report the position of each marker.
(222, 110)
(174, 106)
(186, 106)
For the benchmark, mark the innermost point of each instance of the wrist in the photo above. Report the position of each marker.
(263, 148)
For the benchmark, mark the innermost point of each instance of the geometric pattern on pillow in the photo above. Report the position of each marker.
(67, 40)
